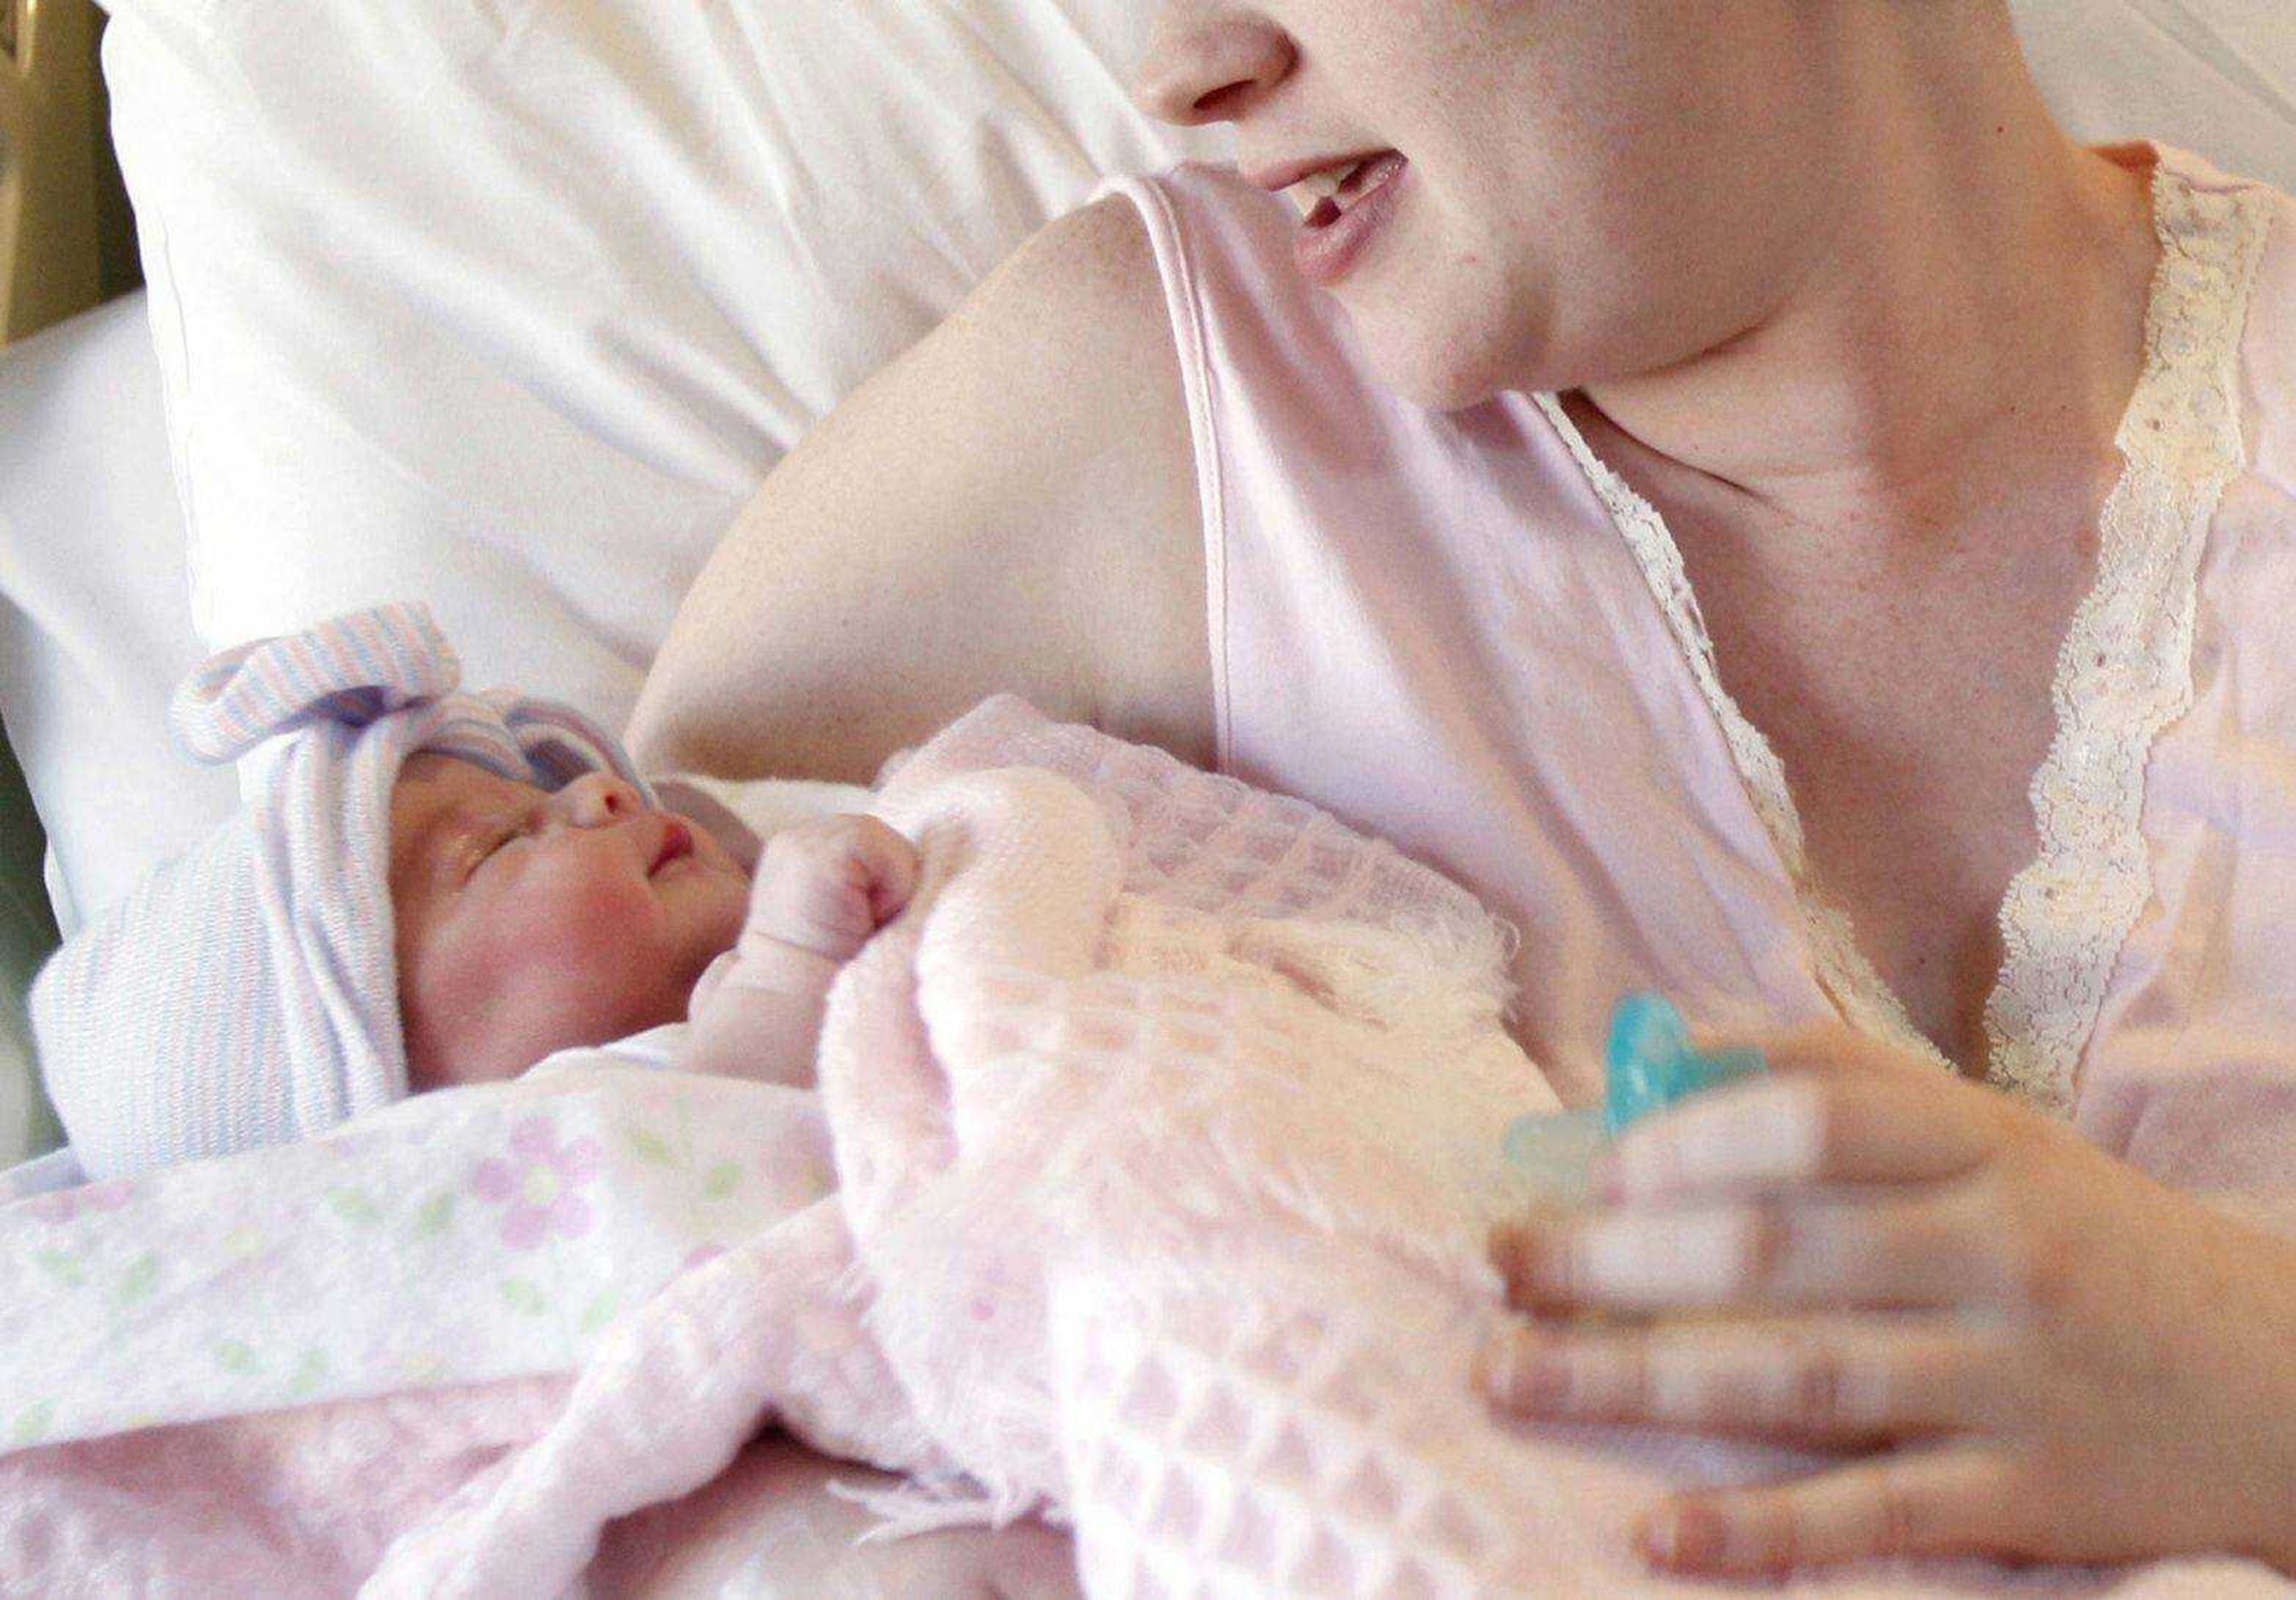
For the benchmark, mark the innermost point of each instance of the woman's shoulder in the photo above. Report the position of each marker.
(2266, 260)
(1014, 509)
(1137, 548)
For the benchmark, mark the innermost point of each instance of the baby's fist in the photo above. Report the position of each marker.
(828, 884)
(820, 890)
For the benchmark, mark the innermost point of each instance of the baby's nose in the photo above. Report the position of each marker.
(597, 799)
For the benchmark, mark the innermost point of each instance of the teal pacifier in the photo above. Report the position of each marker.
(1649, 1065)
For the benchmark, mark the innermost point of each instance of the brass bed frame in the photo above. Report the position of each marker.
(57, 199)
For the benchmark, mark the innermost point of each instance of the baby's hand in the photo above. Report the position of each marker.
(824, 887)
(821, 890)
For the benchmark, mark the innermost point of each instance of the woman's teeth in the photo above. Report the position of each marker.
(1312, 191)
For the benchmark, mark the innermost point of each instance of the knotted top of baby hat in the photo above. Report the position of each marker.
(246, 993)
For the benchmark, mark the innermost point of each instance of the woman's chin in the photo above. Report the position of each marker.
(1433, 379)
(1420, 355)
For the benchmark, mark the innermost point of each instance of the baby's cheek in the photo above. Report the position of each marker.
(602, 925)
(604, 973)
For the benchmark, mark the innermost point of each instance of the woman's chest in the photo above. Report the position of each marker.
(1910, 704)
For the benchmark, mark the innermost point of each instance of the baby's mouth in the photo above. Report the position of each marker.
(677, 844)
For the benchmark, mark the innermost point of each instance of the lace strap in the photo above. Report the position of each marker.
(2125, 671)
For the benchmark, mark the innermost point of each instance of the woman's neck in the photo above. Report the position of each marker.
(1977, 308)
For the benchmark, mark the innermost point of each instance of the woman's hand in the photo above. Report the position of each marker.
(2072, 1361)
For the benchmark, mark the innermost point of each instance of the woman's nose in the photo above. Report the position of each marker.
(1206, 61)
(596, 799)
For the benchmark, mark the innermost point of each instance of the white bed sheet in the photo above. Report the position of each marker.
(94, 630)
(2216, 77)
(97, 628)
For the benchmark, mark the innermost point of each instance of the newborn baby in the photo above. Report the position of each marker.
(531, 921)
(428, 887)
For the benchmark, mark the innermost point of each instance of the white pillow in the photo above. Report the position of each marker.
(2217, 77)
(95, 633)
(511, 307)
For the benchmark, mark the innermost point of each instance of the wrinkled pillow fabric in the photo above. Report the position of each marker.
(510, 305)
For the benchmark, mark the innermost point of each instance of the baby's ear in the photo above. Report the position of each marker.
(688, 795)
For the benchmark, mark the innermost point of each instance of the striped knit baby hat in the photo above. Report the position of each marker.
(246, 993)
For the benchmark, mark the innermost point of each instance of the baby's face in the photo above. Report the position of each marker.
(531, 922)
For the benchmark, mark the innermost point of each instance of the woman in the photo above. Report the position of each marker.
(1785, 523)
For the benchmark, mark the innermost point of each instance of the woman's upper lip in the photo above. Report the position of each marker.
(1277, 179)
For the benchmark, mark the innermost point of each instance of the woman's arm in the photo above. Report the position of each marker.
(1010, 506)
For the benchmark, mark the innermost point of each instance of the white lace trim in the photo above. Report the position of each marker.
(2125, 668)
(2123, 673)
(1866, 1001)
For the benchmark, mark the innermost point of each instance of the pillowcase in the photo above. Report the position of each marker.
(95, 633)
(510, 306)
(2216, 77)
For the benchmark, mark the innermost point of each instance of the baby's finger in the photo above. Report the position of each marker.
(894, 867)
(812, 889)
(829, 883)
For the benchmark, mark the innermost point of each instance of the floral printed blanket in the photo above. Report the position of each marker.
(258, 1372)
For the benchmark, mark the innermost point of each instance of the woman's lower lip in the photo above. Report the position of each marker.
(1324, 254)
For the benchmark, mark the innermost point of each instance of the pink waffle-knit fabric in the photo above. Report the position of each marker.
(1166, 1125)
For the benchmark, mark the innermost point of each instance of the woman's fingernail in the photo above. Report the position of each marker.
(1524, 1254)
(1513, 1374)
(1684, 1535)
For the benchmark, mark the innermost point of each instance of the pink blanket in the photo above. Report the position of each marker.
(1166, 1127)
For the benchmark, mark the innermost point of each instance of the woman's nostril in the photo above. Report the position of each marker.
(1212, 104)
